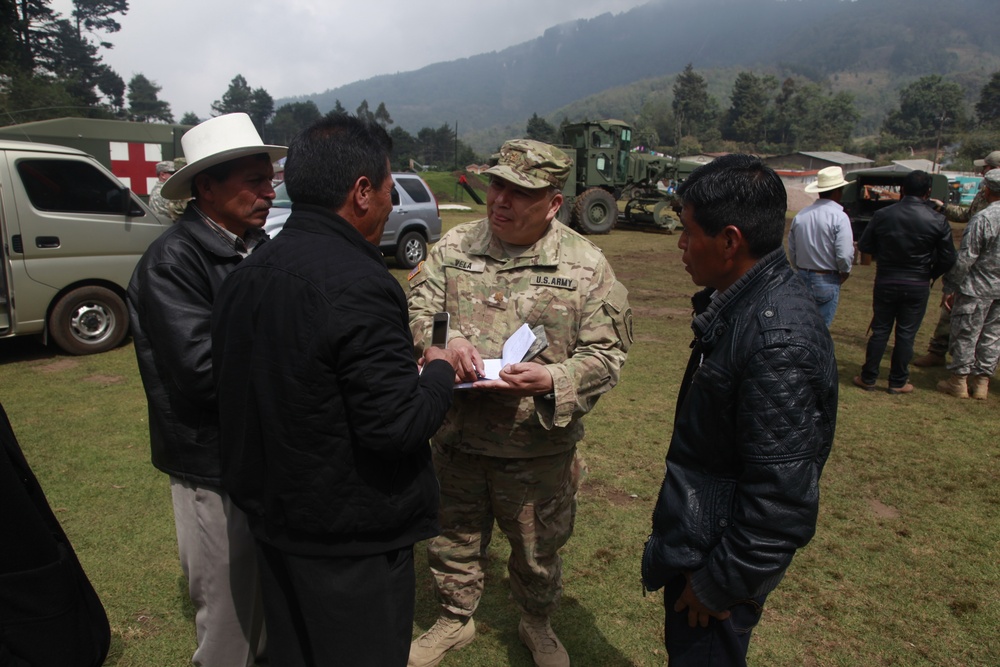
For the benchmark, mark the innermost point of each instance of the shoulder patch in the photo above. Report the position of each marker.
(415, 271)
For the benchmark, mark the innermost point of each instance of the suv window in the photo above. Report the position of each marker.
(70, 186)
(415, 188)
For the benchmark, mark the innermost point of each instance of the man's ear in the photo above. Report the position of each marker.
(361, 193)
(204, 189)
(557, 201)
(732, 240)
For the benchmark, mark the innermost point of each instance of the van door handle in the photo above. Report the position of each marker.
(47, 242)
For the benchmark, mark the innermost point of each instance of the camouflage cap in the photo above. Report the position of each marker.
(165, 166)
(992, 181)
(993, 159)
(180, 162)
(532, 164)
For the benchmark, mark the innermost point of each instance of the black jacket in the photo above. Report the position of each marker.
(909, 242)
(325, 419)
(170, 301)
(50, 615)
(754, 425)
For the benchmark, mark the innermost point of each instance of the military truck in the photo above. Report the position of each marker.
(129, 150)
(869, 190)
(607, 171)
(70, 237)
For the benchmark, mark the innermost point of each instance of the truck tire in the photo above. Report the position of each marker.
(595, 212)
(88, 320)
(411, 250)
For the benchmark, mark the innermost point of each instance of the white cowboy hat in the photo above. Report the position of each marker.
(830, 178)
(213, 142)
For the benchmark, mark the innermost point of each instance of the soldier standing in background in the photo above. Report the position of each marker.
(507, 449)
(168, 208)
(938, 347)
(973, 297)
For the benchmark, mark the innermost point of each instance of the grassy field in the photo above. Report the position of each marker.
(903, 570)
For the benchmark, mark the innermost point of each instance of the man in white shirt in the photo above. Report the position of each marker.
(821, 244)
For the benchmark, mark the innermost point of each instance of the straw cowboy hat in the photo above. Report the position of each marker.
(213, 142)
(830, 178)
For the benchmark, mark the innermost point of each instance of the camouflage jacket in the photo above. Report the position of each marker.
(977, 271)
(562, 282)
(169, 208)
(956, 213)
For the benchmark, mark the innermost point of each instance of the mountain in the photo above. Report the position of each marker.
(868, 47)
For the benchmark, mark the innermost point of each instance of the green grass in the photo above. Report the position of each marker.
(903, 569)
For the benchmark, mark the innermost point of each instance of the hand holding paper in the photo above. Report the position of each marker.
(514, 350)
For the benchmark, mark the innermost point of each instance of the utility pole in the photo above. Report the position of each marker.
(937, 144)
(456, 144)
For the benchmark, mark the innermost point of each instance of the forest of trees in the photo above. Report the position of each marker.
(768, 117)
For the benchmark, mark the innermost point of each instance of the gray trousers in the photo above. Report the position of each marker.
(219, 559)
(975, 336)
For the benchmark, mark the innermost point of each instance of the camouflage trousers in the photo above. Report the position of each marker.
(942, 334)
(975, 336)
(533, 501)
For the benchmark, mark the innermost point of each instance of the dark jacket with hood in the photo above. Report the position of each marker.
(325, 419)
(170, 301)
(753, 428)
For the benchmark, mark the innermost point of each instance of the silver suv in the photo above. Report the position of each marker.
(414, 222)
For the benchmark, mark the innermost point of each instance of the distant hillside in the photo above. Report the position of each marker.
(612, 64)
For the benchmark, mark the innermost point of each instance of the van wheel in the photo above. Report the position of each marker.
(88, 320)
(412, 250)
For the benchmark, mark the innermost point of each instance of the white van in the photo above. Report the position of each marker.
(72, 235)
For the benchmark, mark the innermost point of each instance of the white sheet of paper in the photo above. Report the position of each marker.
(514, 350)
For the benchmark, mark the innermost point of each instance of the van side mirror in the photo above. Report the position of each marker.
(128, 205)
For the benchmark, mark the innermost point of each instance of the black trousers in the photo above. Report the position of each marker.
(903, 305)
(721, 644)
(324, 612)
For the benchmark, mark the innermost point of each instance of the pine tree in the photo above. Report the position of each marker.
(144, 104)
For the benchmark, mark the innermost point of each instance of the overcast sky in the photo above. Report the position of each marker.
(192, 49)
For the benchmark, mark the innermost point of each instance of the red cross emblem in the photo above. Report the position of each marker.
(135, 164)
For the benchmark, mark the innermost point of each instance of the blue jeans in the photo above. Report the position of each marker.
(721, 644)
(825, 288)
(903, 305)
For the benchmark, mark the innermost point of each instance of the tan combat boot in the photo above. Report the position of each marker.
(447, 633)
(545, 647)
(954, 386)
(930, 359)
(979, 386)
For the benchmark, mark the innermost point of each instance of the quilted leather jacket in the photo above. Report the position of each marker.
(170, 301)
(754, 424)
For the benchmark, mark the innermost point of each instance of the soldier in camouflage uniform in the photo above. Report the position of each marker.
(169, 208)
(507, 449)
(974, 286)
(938, 346)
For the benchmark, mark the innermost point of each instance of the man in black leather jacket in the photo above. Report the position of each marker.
(325, 420)
(754, 421)
(170, 301)
(912, 246)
